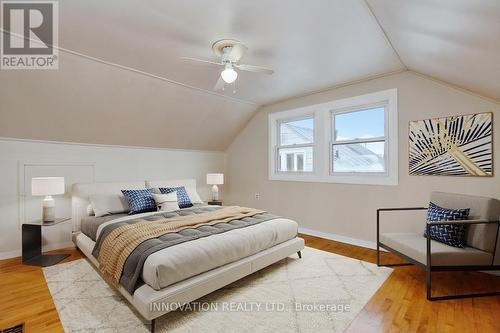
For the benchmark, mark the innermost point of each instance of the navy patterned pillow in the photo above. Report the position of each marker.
(452, 235)
(183, 199)
(140, 201)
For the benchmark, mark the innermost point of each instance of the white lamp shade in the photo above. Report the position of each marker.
(215, 178)
(47, 185)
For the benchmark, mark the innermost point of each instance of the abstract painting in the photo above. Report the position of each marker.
(452, 146)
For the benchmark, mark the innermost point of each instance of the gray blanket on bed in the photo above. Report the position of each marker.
(131, 275)
(90, 224)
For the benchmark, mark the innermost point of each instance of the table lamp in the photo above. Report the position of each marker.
(215, 179)
(47, 186)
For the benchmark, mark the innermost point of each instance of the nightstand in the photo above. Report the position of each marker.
(32, 244)
(215, 203)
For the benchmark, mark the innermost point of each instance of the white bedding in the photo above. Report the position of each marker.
(185, 260)
(182, 261)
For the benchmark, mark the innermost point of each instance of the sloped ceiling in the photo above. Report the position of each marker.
(310, 45)
(121, 80)
(91, 102)
(457, 41)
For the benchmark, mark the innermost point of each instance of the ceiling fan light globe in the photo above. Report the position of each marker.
(229, 75)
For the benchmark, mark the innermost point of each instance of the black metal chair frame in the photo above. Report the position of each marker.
(428, 267)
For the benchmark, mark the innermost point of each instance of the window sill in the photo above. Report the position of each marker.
(382, 180)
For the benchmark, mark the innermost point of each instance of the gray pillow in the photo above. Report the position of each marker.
(105, 204)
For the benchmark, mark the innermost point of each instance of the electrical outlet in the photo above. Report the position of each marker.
(257, 196)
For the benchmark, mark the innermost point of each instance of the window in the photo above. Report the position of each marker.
(293, 162)
(353, 140)
(295, 145)
(358, 141)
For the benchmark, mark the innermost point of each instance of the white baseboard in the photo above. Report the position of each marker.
(10, 254)
(339, 238)
(50, 247)
(58, 246)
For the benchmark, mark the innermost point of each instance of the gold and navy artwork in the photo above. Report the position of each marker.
(452, 146)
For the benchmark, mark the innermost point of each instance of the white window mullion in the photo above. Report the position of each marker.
(322, 143)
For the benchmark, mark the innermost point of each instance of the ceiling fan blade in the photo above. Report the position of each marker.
(237, 52)
(220, 84)
(201, 61)
(255, 69)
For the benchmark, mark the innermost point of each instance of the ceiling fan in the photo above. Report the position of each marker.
(230, 52)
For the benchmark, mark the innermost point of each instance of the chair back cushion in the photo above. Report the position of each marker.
(480, 236)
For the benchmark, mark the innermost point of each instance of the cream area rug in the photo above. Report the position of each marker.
(322, 292)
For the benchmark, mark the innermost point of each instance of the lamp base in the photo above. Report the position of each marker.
(49, 209)
(215, 193)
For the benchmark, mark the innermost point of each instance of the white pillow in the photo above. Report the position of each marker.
(105, 204)
(166, 202)
(193, 195)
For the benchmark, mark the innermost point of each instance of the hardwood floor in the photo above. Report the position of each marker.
(398, 306)
(24, 296)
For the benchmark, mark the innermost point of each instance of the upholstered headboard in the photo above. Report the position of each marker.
(81, 192)
(171, 183)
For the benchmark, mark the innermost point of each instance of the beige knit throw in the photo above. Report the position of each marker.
(118, 245)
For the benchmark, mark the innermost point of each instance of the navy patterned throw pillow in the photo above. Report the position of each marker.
(452, 235)
(183, 199)
(140, 201)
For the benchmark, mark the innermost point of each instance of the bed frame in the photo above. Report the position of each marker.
(145, 299)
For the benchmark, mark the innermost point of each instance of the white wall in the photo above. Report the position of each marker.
(21, 160)
(349, 210)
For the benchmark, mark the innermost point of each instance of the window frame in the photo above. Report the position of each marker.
(323, 115)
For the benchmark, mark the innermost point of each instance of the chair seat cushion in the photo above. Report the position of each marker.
(413, 245)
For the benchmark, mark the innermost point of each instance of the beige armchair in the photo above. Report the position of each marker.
(482, 251)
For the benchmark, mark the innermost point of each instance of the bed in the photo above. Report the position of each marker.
(181, 267)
